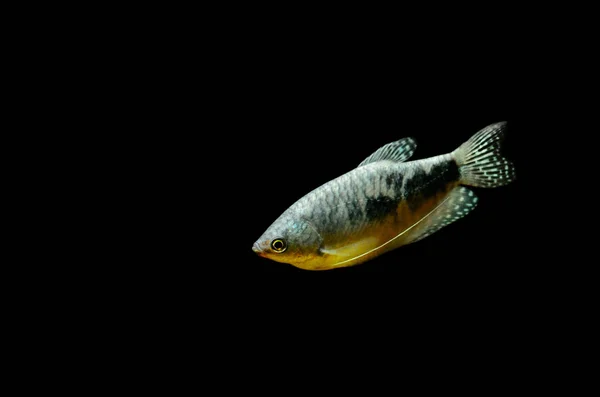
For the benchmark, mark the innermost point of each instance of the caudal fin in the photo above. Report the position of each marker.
(479, 159)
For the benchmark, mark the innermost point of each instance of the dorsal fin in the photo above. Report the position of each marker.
(397, 151)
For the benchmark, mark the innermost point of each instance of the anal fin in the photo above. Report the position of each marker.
(457, 204)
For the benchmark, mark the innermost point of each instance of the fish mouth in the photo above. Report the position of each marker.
(256, 248)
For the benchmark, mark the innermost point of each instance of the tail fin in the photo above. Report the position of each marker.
(479, 159)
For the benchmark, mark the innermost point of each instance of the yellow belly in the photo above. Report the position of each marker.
(399, 228)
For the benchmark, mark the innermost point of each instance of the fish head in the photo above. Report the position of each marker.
(292, 240)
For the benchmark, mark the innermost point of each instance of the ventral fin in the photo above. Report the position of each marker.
(397, 151)
(459, 203)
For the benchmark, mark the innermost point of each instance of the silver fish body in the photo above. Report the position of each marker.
(385, 203)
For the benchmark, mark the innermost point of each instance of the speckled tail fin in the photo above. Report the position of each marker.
(459, 203)
(480, 161)
(397, 151)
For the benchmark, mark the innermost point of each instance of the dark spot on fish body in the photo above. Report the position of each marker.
(397, 180)
(355, 214)
(425, 185)
(415, 183)
(389, 180)
(444, 174)
(380, 207)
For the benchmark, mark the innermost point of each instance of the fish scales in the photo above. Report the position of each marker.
(385, 203)
(351, 203)
(343, 206)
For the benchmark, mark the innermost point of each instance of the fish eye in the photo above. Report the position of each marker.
(279, 245)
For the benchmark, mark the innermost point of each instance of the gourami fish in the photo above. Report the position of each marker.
(385, 203)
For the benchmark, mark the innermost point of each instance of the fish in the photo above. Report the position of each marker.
(385, 203)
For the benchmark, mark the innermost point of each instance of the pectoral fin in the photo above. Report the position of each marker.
(352, 250)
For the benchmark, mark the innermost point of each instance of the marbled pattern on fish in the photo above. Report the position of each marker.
(385, 203)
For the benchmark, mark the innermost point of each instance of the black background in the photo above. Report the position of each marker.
(237, 122)
(272, 134)
(266, 121)
(295, 120)
(244, 121)
(207, 125)
(281, 123)
(485, 256)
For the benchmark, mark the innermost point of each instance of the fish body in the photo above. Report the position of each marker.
(384, 203)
